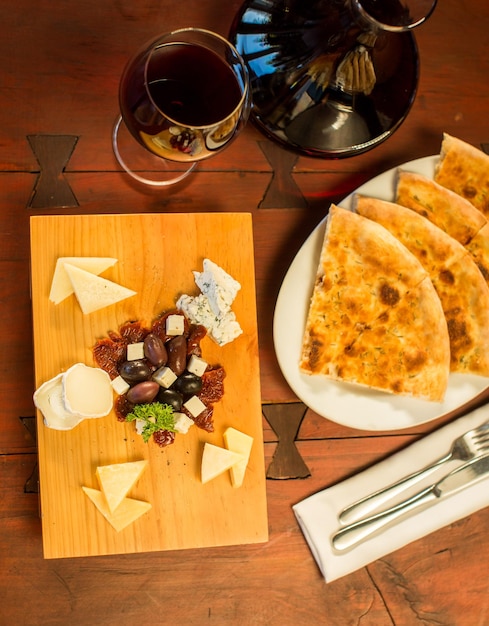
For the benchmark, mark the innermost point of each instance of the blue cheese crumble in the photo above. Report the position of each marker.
(212, 307)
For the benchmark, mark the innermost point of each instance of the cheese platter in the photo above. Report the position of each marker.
(154, 257)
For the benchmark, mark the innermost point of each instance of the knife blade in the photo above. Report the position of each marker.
(458, 479)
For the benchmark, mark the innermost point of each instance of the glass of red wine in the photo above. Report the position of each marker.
(183, 97)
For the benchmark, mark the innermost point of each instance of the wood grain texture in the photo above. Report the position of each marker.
(62, 65)
(156, 255)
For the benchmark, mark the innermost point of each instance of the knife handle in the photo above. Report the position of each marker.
(350, 536)
(365, 506)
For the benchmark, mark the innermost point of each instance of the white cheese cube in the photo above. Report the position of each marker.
(194, 406)
(135, 351)
(165, 377)
(175, 325)
(182, 423)
(196, 365)
(119, 385)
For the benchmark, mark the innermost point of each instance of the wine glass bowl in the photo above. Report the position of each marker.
(183, 97)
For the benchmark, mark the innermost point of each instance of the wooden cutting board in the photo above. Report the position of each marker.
(156, 256)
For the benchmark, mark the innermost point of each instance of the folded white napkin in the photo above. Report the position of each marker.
(318, 514)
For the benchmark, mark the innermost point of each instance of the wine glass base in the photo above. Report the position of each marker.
(141, 165)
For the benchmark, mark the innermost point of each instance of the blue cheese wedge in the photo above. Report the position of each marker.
(222, 328)
(218, 286)
(212, 307)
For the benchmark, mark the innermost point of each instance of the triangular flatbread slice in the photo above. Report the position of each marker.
(93, 292)
(61, 286)
(127, 512)
(464, 169)
(478, 247)
(118, 479)
(445, 208)
(371, 292)
(463, 291)
(449, 211)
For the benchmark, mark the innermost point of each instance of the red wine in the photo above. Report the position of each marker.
(186, 85)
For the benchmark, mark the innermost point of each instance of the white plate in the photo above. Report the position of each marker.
(347, 404)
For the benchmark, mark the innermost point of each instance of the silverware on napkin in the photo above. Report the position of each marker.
(464, 476)
(468, 446)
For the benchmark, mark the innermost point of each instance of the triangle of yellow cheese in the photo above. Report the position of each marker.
(241, 443)
(127, 512)
(61, 286)
(117, 480)
(94, 292)
(216, 460)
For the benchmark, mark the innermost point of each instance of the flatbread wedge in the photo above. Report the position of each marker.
(463, 292)
(449, 211)
(464, 169)
(374, 318)
(445, 208)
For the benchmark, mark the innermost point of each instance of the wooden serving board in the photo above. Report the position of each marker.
(156, 255)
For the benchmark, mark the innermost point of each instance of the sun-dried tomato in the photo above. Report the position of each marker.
(163, 438)
(196, 334)
(204, 420)
(212, 385)
(133, 332)
(109, 354)
(159, 325)
(122, 407)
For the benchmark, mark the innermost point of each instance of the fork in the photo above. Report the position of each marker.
(466, 447)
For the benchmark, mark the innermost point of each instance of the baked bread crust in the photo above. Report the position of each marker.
(464, 169)
(460, 285)
(374, 318)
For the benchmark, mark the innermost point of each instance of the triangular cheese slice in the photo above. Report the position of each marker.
(216, 461)
(93, 292)
(117, 480)
(127, 512)
(238, 442)
(61, 286)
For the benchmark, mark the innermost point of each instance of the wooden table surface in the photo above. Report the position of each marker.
(61, 63)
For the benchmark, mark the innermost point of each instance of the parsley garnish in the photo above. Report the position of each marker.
(155, 416)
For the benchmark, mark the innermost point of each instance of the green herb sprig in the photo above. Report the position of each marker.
(155, 416)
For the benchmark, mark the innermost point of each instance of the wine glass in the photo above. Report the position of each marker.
(183, 97)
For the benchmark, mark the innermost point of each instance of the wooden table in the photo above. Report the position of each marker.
(61, 62)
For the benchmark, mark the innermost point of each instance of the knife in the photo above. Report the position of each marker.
(468, 474)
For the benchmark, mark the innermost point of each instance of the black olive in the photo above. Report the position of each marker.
(154, 350)
(171, 397)
(177, 354)
(188, 384)
(135, 371)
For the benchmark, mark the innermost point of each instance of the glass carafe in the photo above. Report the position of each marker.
(330, 78)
